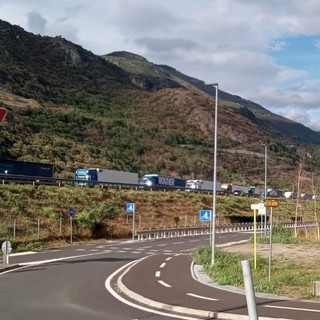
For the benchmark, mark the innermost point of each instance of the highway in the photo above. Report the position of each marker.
(103, 281)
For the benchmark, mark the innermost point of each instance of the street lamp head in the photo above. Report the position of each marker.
(213, 84)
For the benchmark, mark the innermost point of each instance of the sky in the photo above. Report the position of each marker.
(267, 51)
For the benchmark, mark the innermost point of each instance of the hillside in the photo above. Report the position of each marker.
(69, 107)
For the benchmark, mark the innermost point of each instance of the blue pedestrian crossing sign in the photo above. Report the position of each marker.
(205, 215)
(130, 207)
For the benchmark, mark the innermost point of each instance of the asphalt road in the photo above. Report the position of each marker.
(81, 282)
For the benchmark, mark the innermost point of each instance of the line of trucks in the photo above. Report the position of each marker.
(93, 176)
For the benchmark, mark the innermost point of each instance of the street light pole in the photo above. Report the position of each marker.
(265, 185)
(213, 236)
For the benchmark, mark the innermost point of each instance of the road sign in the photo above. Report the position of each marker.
(6, 247)
(71, 212)
(271, 203)
(130, 207)
(260, 207)
(3, 113)
(205, 215)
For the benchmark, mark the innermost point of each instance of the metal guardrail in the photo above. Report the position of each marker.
(205, 230)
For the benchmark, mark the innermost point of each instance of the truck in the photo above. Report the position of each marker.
(25, 168)
(93, 176)
(256, 191)
(236, 189)
(196, 184)
(156, 180)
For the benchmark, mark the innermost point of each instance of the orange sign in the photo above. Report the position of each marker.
(271, 202)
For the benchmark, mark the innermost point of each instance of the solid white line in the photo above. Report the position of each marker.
(163, 265)
(201, 297)
(158, 274)
(164, 284)
(291, 308)
(22, 253)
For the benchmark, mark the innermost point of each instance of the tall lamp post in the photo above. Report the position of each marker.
(213, 220)
(265, 185)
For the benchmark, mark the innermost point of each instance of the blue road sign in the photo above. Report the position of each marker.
(71, 212)
(205, 215)
(130, 207)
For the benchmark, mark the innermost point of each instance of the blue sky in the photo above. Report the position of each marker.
(266, 51)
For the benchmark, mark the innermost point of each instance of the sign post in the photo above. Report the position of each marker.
(205, 216)
(6, 248)
(256, 207)
(71, 214)
(130, 208)
(271, 203)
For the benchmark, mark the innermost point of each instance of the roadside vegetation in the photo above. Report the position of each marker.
(35, 216)
(290, 277)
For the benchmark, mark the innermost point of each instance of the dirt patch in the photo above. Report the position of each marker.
(299, 253)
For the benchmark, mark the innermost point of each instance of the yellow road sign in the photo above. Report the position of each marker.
(271, 202)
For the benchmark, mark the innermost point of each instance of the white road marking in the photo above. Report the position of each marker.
(81, 249)
(201, 297)
(147, 247)
(291, 308)
(129, 303)
(163, 265)
(22, 253)
(167, 259)
(121, 251)
(162, 245)
(158, 274)
(164, 284)
(181, 242)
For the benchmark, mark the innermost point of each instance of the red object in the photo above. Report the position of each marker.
(3, 113)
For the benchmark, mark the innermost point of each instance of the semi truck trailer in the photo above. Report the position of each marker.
(25, 168)
(93, 176)
(156, 180)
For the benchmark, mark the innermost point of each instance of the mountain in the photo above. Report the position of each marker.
(149, 75)
(74, 109)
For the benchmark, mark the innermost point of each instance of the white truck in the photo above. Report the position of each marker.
(196, 184)
(94, 176)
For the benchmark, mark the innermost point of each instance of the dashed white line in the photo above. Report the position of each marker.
(162, 245)
(169, 258)
(201, 297)
(163, 265)
(158, 273)
(164, 284)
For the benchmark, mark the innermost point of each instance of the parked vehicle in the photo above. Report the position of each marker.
(93, 176)
(25, 168)
(154, 180)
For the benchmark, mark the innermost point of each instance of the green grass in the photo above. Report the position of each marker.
(291, 279)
